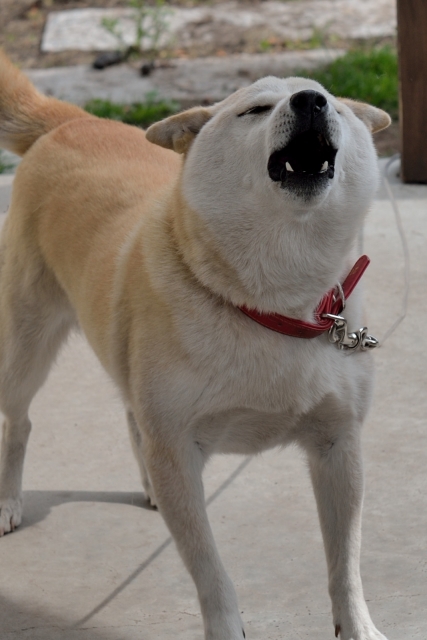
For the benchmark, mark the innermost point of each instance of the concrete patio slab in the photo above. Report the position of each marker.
(91, 560)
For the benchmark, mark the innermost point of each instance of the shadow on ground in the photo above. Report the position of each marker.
(38, 504)
(23, 622)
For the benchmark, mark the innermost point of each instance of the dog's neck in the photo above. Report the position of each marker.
(280, 268)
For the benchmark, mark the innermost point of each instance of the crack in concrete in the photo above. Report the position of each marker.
(157, 552)
(395, 596)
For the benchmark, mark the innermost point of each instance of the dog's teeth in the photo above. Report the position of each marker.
(325, 165)
(288, 167)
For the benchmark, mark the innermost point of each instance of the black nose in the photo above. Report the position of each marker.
(308, 102)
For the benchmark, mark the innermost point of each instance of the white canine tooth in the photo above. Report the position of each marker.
(288, 167)
(324, 166)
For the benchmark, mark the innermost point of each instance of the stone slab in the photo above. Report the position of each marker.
(82, 29)
(187, 81)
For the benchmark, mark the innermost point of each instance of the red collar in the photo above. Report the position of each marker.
(330, 303)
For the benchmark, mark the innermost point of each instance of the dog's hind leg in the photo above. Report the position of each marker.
(35, 318)
(137, 446)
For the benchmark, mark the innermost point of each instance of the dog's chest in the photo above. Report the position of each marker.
(248, 388)
(243, 430)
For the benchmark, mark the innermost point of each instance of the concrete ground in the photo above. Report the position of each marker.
(92, 561)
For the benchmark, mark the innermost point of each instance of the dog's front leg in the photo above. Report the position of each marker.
(337, 476)
(176, 475)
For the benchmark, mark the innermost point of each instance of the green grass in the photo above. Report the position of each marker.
(369, 76)
(141, 114)
(4, 165)
(366, 75)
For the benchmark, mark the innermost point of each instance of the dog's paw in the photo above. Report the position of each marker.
(364, 633)
(10, 515)
(151, 498)
(149, 492)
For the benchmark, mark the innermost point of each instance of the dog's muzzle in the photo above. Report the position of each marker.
(308, 160)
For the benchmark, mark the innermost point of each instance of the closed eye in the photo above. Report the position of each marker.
(261, 108)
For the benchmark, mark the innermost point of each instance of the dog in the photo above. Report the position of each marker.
(179, 252)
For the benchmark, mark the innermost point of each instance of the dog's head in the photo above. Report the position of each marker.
(289, 136)
(281, 173)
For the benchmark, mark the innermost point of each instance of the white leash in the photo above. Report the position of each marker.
(405, 250)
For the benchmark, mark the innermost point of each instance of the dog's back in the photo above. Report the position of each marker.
(82, 182)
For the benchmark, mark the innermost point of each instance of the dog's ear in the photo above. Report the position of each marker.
(374, 118)
(178, 132)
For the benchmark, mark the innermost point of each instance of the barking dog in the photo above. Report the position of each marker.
(159, 246)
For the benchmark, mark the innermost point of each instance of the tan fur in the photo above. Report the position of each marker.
(150, 253)
(374, 118)
(180, 130)
(25, 113)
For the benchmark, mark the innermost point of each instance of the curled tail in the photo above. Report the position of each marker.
(26, 114)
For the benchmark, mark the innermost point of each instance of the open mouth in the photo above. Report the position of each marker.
(308, 160)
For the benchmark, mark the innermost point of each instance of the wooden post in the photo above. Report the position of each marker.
(412, 40)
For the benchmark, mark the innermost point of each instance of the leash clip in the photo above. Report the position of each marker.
(355, 341)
